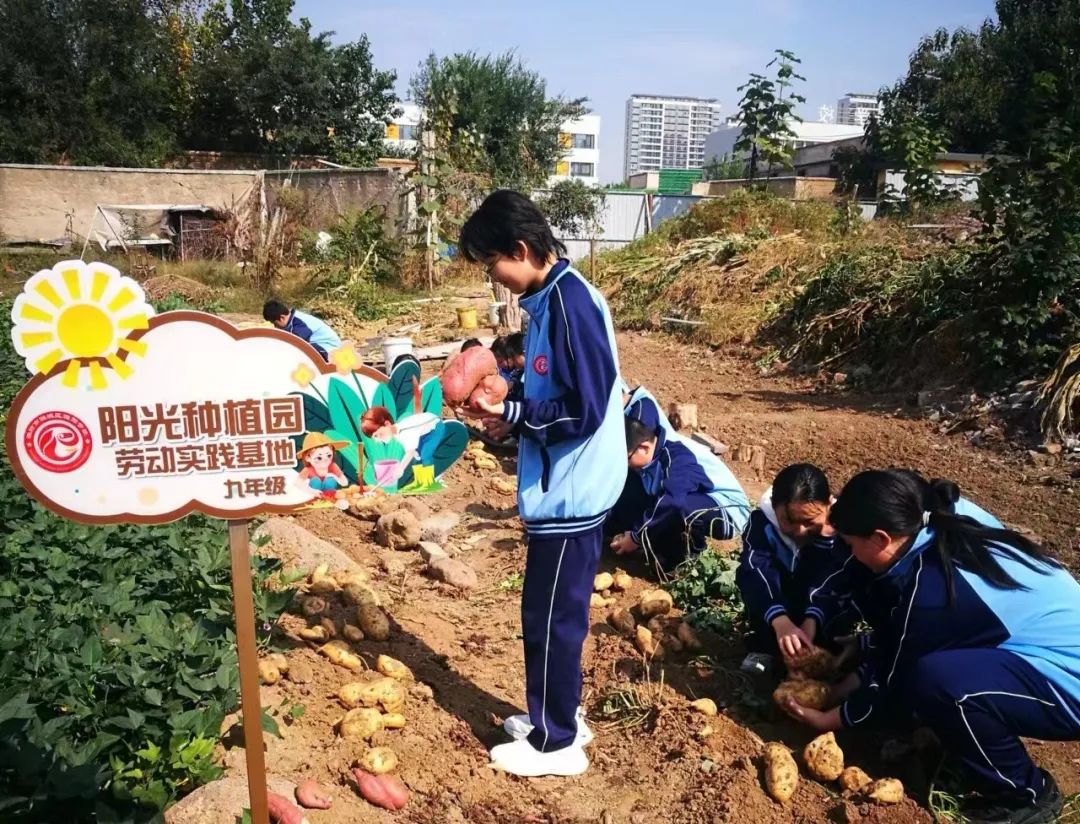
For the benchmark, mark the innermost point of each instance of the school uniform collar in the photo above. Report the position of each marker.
(534, 301)
(923, 541)
(767, 509)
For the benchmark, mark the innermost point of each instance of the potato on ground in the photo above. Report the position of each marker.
(706, 706)
(647, 644)
(373, 622)
(314, 633)
(781, 772)
(621, 581)
(360, 594)
(655, 602)
(382, 692)
(824, 758)
(854, 779)
(360, 724)
(885, 791)
(602, 581)
(268, 673)
(816, 663)
(393, 721)
(807, 693)
(623, 621)
(339, 653)
(379, 760)
(393, 668)
(279, 661)
(688, 636)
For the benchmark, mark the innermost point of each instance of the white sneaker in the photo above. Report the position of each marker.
(521, 758)
(519, 726)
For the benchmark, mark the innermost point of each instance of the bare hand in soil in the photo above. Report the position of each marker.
(792, 640)
(623, 544)
(820, 721)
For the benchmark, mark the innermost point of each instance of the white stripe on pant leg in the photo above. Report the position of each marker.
(547, 644)
(963, 715)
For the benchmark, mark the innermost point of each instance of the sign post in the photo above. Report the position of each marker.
(250, 703)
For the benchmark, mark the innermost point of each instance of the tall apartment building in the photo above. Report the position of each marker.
(667, 132)
(580, 140)
(854, 109)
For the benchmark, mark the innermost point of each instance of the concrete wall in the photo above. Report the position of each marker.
(51, 202)
(795, 188)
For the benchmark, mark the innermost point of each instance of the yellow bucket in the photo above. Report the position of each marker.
(466, 317)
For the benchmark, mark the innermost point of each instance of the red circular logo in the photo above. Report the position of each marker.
(58, 442)
(540, 364)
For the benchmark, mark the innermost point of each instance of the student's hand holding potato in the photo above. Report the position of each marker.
(623, 544)
(792, 640)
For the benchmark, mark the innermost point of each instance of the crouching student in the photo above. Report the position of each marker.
(977, 633)
(571, 468)
(306, 327)
(788, 547)
(509, 354)
(675, 498)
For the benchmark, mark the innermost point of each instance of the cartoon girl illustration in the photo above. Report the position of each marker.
(320, 472)
(418, 435)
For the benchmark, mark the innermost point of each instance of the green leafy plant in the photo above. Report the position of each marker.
(704, 588)
(766, 111)
(573, 208)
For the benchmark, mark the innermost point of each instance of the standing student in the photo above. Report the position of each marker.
(977, 634)
(571, 468)
(788, 547)
(306, 327)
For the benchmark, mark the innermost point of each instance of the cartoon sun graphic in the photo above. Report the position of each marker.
(82, 314)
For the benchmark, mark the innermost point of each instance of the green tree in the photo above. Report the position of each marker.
(573, 208)
(265, 84)
(492, 116)
(904, 138)
(766, 111)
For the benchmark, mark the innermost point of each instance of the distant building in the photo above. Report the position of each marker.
(404, 132)
(580, 139)
(667, 132)
(854, 109)
(665, 181)
(721, 143)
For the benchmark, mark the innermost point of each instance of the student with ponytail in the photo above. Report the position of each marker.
(976, 631)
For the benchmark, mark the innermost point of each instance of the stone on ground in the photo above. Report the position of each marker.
(220, 801)
(456, 573)
(299, 547)
(372, 507)
(398, 530)
(438, 527)
(416, 506)
(432, 552)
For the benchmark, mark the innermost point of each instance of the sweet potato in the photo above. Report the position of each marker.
(490, 390)
(393, 721)
(384, 791)
(373, 622)
(824, 758)
(854, 779)
(268, 673)
(817, 663)
(621, 581)
(463, 372)
(654, 602)
(602, 581)
(623, 621)
(379, 760)
(885, 791)
(648, 645)
(706, 706)
(310, 795)
(807, 693)
(688, 636)
(283, 811)
(338, 653)
(781, 772)
(393, 668)
(352, 633)
(360, 723)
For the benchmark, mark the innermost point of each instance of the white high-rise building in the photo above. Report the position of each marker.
(854, 109)
(667, 132)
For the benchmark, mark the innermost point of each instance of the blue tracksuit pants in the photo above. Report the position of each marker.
(559, 574)
(980, 701)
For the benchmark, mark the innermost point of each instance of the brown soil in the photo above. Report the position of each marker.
(665, 768)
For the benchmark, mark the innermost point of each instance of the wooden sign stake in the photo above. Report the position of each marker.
(250, 704)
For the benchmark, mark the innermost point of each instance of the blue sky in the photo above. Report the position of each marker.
(608, 50)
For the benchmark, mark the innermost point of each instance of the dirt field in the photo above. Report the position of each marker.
(666, 768)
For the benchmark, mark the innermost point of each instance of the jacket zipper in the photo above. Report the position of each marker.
(545, 472)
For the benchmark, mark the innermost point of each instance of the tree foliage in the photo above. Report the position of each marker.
(492, 116)
(766, 111)
(129, 82)
(573, 208)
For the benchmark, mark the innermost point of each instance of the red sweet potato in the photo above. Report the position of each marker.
(464, 371)
(491, 389)
(283, 811)
(384, 791)
(309, 794)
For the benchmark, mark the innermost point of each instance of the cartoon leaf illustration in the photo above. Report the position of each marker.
(401, 386)
(316, 415)
(384, 397)
(455, 437)
(345, 410)
(431, 396)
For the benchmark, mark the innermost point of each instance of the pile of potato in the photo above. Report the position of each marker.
(353, 589)
(654, 630)
(824, 761)
(477, 456)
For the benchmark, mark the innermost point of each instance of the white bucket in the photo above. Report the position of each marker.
(393, 348)
(493, 312)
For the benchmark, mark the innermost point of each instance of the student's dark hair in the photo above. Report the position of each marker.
(637, 433)
(274, 309)
(894, 500)
(470, 343)
(515, 345)
(504, 218)
(404, 356)
(800, 483)
(498, 348)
